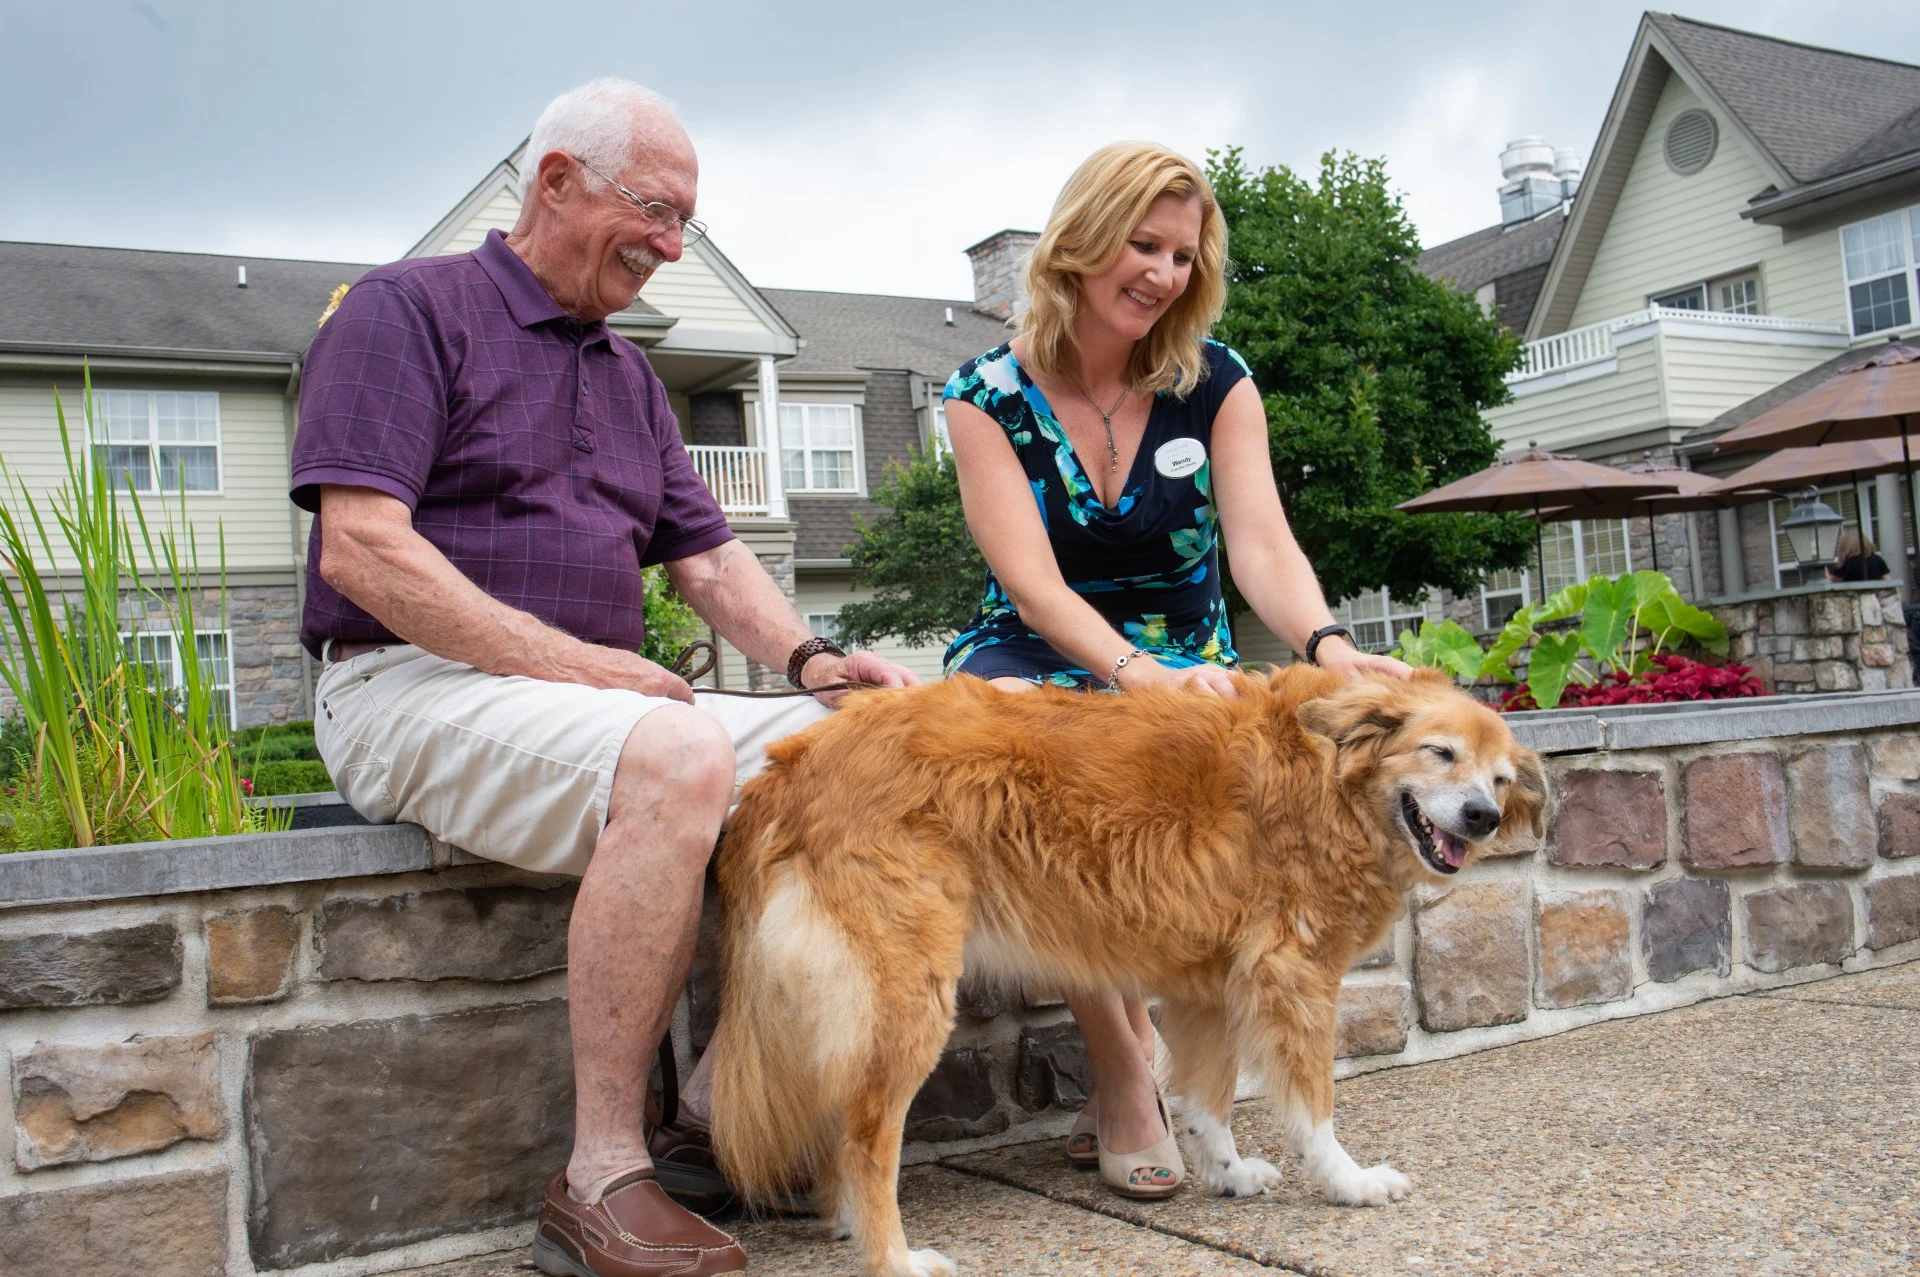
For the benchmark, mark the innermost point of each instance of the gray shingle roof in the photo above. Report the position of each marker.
(845, 332)
(1810, 107)
(1499, 255)
(98, 298)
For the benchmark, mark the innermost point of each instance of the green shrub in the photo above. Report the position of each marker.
(290, 776)
(16, 748)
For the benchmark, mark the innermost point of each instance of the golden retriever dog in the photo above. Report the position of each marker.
(1230, 857)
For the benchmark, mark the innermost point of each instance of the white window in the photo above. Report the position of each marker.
(817, 451)
(826, 625)
(155, 651)
(937, 413)
(1376, 618)
(158, 440)
(1727, 295)
(1576, 550)
(1880, 255)
(1692, 297)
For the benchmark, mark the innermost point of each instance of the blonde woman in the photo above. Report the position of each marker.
(1854, 559)
(1102, 454)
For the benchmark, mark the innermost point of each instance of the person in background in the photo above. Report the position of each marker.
(1854, 559)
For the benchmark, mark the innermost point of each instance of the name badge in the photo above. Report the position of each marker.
(1178, 458)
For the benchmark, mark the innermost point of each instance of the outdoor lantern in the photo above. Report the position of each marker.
(1813, 528)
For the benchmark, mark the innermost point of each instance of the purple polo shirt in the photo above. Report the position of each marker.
(536, 452)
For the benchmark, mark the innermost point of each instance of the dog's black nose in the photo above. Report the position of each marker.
(1480, 817)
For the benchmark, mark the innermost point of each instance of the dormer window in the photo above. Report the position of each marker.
(1737, 294)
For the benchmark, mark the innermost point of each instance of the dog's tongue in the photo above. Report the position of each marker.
(1453, 849)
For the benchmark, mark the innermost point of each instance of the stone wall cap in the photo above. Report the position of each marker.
(1794, 591)
(1706, 722)
(211, 864)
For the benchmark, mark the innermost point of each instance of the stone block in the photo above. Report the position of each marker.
(1893, 911)
(1798, 924)
(1873, 680)
(1582, 949)
(250, 956)
(1876, 655)
(96, 1103)
(1829, 809)
(1827, 647)
(479, 933)
(1896, 756)
(957, 1101)
(1900, 826)
(1790, 616)
(1736, 811)
(90, 968)
(1832, 614)
(1470, 956)
(1686, 925)
(1381, 955)
(1052, 1071)
(154, 1226)
(1373, 1019)
(1836, 676)
(1785, 674)
(980, 999)
(1870, 613)
(379, 1133)
(1604, 817)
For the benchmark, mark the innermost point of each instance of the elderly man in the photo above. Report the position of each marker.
(492, 468)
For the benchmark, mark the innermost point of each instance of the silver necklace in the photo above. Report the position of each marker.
(1106, 420)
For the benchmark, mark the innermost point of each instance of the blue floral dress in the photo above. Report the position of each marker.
(1150, 564)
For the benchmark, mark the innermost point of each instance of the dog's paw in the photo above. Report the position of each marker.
(838, 1229)
(1369, 1186)
(929, 1263)
(1242, 1177)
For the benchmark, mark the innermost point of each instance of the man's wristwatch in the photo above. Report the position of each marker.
(804, 653)
(1325, 631)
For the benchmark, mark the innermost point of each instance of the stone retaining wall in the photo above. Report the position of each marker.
(347, 1047)
(1819, 638)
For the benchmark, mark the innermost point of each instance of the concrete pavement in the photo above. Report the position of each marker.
(1771, 1133)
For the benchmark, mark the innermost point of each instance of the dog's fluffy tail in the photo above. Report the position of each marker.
(796, 1005)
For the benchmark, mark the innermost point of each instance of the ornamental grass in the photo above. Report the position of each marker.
(113, 750)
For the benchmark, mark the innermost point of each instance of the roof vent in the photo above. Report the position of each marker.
(1691, 140)
(242, 281)
(1537, 179)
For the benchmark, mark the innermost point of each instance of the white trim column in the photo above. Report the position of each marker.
(1733, 572)
(770, 437)
(1889, 531)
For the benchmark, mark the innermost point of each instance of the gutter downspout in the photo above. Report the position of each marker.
(290, 414)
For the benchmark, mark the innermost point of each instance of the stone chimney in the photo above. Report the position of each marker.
(1000, 272)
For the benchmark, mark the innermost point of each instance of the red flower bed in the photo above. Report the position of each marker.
(1672, 678)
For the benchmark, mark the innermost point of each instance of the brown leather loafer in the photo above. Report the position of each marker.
(683, 1160)
(634, 1230)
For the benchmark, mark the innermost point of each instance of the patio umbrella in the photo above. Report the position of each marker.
(1694, 491)
(1797, 467)
(1535, 480)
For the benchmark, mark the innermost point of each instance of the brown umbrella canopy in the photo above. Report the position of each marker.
(1694, 491)
(1536, 479)
(1871, 400)
(1798, 467)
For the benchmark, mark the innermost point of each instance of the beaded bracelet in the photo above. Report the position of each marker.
(1113, 679)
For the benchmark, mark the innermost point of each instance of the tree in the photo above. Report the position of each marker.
(1375, 376)
(1375, 379)
(918, 556)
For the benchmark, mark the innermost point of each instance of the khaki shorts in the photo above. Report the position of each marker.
(513, 769)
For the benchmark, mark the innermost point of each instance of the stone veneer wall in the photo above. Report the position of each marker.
(349, 1046)
(1819, 638)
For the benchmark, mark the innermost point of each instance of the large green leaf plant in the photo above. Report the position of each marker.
(1623, 622)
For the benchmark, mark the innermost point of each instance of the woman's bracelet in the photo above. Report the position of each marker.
(1113, 679)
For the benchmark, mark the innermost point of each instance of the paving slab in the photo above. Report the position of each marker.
(984, 1226)
(1745, 1136)
(1895, 988)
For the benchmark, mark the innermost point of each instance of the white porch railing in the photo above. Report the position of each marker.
(737, 477)
(1594, 342)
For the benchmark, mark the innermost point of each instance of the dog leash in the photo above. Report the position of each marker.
(684, 666)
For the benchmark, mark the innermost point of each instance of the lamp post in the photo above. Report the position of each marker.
(1813, 529)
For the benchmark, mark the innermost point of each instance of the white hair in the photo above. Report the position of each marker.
(599, 122)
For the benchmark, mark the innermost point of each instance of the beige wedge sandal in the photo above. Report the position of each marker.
(1154, 1172)
(1084, 1156)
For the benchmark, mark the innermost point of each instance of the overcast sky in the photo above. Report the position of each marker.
(848, 146)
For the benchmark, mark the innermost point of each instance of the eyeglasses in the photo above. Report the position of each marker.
(692, 230)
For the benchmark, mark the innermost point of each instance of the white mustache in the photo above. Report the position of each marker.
(640, 261)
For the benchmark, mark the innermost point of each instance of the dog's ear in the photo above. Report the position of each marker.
(1526, 798)
(1363, 712)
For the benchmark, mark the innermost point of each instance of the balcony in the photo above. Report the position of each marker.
(736, 476)
(1644, 378)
